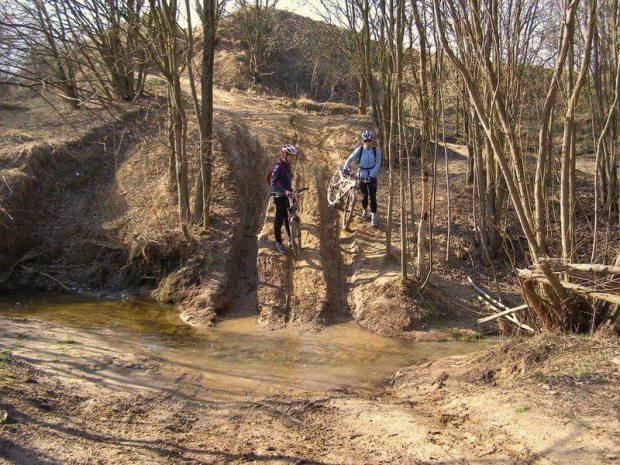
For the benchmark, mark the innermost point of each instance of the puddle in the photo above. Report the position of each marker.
(237, 358)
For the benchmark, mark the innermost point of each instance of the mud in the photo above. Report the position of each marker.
(74, 397)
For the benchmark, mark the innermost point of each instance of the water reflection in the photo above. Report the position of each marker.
(237, 357)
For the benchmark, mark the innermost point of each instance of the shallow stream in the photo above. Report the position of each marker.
(237, 358)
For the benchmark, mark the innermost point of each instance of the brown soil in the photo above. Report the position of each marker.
(76, 398)
(549, 399)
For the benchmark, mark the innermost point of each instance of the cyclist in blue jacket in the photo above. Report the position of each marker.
(281, 186)
(368, 158)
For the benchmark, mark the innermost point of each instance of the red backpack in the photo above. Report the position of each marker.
(270, 173)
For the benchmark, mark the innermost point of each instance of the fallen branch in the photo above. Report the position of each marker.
(508, 315)
(60, 283)
(559, 265)
(25, 258)
(515, 320)
(484, 293)
(500, 307)
(502, 313)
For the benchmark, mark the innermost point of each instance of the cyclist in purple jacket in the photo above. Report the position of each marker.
(281, 186)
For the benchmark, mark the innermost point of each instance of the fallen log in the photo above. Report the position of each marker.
(578, 288)
(559, 265)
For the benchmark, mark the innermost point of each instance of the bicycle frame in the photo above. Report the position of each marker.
(293, 218)
(295, 221)
(344, 187)
(349, 182)
(293, 205)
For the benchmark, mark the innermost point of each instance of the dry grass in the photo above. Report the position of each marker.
(16, 136)
(323, 108)
(553, 359)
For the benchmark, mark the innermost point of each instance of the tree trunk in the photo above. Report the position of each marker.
(206, 149)
(424, 165)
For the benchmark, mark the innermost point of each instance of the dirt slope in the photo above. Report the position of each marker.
(53, 165)
(113, 225)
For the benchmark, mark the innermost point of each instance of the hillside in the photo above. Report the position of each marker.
(113, 229)
(296, 65)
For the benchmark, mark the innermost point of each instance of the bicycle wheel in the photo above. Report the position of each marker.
(348, 208)
(333, 190)
(295, 226)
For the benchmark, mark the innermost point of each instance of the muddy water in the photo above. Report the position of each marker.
(236, 358)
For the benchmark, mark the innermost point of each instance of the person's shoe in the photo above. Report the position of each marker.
(375, 222)
(280, 247)
(365, 216)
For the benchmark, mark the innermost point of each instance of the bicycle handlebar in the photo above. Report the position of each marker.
(296, 191)
(356, 178)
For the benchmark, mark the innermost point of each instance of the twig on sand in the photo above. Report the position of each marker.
(7, 185)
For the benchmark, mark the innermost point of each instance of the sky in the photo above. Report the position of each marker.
(301, 7)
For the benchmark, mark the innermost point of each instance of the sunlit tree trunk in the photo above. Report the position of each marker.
(567, 168)
(424, 163)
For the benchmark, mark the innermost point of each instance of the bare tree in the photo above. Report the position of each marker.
(42, 53)
(258, 30)
(353, 17)
(210, 12)
(425, 110)
(167, 46)
(107, 34)
(87, 50)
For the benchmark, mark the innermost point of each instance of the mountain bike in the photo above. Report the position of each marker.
(294, 221)
(343, 186)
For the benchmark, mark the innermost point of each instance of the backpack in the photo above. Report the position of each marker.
(359, 156)
(270, 173)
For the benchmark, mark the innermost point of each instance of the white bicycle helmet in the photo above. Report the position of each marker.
(368, 135)
(289, 149)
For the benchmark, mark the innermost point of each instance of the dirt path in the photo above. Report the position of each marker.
(343, 271)
(306, 292)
